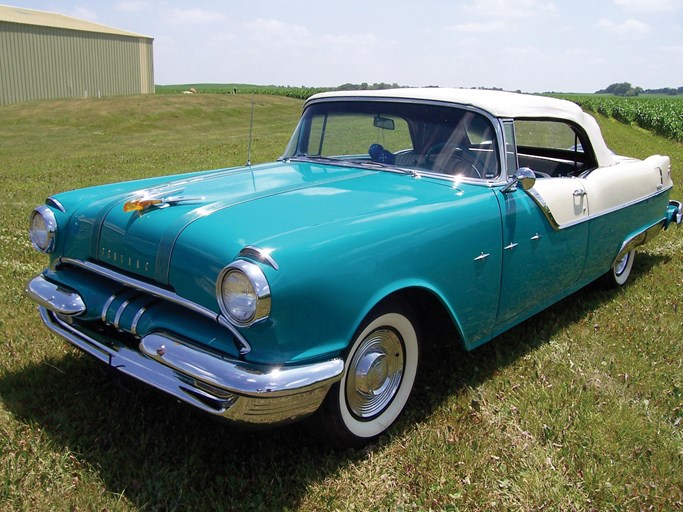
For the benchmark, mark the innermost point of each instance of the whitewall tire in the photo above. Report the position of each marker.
(620, 271)
(379, 375)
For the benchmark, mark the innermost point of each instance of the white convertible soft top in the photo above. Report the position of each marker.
(500, 104)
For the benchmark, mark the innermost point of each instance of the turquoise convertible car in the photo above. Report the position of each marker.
(268, 293)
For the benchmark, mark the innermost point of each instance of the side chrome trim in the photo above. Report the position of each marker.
(631, 203)
(533, 194)
(556, 226)
(55, 298)
(161, 293)
(234, 390)
(639, 239)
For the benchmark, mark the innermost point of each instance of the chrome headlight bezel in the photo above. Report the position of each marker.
(257, 308)
(42, 229)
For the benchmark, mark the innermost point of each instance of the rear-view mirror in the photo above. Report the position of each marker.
(384, 123)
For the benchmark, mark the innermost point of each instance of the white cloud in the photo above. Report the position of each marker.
(274, 32)
(478, 28)
(277, 36)
(84, 13)
(222, 38)
(507, 9)
(355, 44)
(131, 6)
(628, 27)
(650, 5)
(193, 16)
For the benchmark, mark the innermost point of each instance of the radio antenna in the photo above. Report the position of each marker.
(251, 127)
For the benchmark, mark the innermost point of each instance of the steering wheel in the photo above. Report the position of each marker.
(456, 163)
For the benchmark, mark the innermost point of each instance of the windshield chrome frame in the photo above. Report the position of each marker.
(496, 123)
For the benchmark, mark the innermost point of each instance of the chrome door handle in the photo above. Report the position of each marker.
(481, 257)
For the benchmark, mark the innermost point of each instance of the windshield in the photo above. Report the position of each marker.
(421, 137)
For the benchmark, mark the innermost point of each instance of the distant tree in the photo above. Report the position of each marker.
(621, 89)
(671, 91)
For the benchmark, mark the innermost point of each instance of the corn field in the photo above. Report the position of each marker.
(663, 116)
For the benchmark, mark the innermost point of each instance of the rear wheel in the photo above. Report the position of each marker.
(379, 375)
(620, 271)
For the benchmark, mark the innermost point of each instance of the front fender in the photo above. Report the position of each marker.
(330, 276)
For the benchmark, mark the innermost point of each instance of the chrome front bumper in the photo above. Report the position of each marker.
(232, 389)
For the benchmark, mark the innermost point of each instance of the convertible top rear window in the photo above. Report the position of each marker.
(427, 138)
(553, 147)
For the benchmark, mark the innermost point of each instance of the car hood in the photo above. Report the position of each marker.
(142, 241)
(204, 220)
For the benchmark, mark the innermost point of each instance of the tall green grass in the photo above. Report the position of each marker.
(579, 408)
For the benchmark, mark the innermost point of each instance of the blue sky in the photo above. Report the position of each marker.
(532, 45)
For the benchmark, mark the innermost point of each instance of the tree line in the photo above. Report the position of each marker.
(627, 90)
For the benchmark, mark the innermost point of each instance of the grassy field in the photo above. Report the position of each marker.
(579, 408)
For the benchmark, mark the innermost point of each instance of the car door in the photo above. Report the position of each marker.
(544, 244)
(545, 228)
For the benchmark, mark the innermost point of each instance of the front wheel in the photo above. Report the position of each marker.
(379, 375)
(620, 271)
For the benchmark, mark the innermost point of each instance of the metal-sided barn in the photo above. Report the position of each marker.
(46, 55)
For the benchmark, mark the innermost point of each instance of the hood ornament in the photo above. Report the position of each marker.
(144, 203)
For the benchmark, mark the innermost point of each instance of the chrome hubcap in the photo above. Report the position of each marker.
(375, 373)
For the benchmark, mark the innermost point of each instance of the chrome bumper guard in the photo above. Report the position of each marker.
(674, 213)
(235, 390)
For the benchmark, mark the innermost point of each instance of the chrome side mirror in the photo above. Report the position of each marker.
(523, 177)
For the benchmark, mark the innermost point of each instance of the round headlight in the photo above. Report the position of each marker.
(42, 229)
(243, 293)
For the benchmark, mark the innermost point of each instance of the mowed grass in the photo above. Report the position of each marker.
(579, 408)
